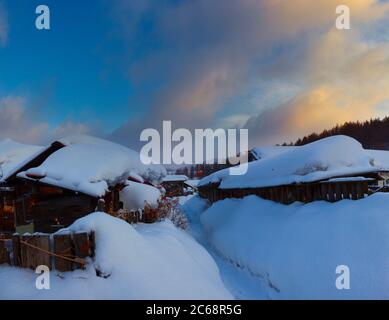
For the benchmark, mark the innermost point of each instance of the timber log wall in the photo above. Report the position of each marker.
(286, 194)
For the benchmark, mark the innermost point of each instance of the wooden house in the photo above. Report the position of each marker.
(331, 169)
(177, 185)
(65, 181)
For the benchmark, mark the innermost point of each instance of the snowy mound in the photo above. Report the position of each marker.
(135, 195)
(151, 261)
(175, 177)
(330, 157)
(296, 249)
(267, 152)
(13, 154)
(90, 165)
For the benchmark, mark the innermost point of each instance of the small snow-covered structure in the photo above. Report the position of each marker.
(330, 169)
(68, 179)
(177, 185)
(135, 195)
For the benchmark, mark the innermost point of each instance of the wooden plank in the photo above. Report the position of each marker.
(331, 192)
(354, 194)
(298, 193)
(283, 196)
(292, 194)
(365, 187)
(316, 192)
(92, 242)
(359, 188)
(32, 257)
(17, 260)
(308, 193)
(63, 247)
(324, 191)
(349, 190)
(338, 192)
(24, 251)
(4, 256)
(344, 190)
(81, 246)
(40, 257)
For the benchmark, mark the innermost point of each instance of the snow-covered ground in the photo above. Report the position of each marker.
(238, 281)
(155, 261)
(292, 252)
(246, 249)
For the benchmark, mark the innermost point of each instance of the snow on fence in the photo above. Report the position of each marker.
(286, 194)
(63, 251)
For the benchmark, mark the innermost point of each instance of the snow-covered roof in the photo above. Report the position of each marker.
(90, 165)
(331, 157)
(381, 157)
(13, 155)
(192, 182)
(175, 177)
(266, 152)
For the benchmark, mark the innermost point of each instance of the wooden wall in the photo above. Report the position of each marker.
(287, 194)
(48, 208)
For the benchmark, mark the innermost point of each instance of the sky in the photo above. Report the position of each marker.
(112, 68)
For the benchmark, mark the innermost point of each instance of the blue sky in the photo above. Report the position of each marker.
(114, 67)
(70, 66)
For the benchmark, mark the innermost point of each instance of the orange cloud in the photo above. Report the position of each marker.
(348, 80)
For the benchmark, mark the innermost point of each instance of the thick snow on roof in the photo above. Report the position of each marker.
(381, 157)
(266, 152)
(192, 182)
(90, 165)
(175, 177)
(327, 158)
(13, 154)
(135, 195)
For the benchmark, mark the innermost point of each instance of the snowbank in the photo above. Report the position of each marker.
(267, 152)
(326, 158)
(296, 248)
(12, 154)
(135, 195)
(90, 165)
(155, 261)
(175, 177)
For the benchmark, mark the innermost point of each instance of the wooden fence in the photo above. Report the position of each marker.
(307, 192)
(63, 251)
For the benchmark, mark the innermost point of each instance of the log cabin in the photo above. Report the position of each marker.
(177, 185)
(74, 176)
(330, 169)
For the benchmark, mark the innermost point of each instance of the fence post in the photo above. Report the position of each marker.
(42, 258)
(63, 247)
(81, 246)
(17, 260)
(92, 241)
(4, 255)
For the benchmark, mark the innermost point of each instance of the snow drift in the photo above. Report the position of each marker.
(296, 248)
(155, 261)
(323, 159)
